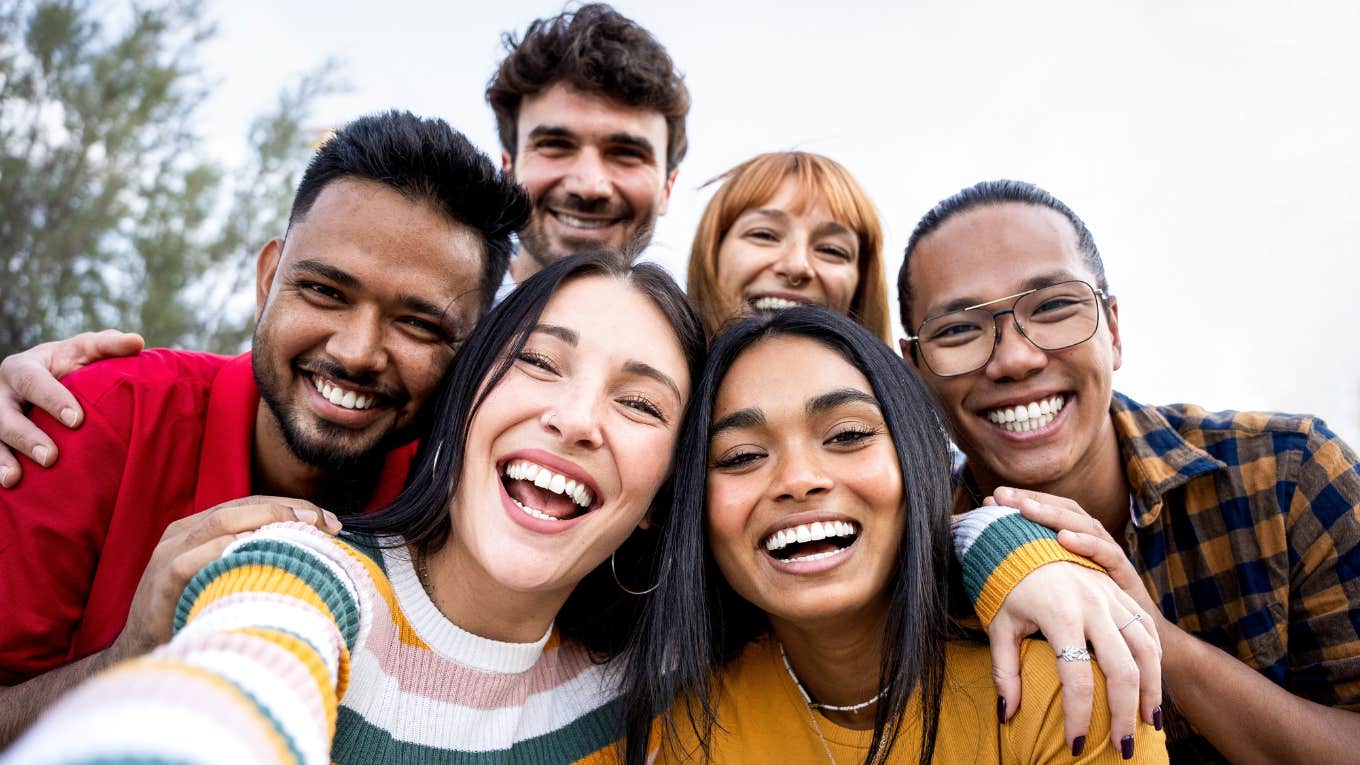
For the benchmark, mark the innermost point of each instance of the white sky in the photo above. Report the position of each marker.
(1211, 147)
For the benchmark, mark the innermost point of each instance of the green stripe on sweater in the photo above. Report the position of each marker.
(359, 741)
(1002, 537)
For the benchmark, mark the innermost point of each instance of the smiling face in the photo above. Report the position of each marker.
(566, 453)
(805, 508)
(596, 171)
(360, 311)
(988, 253)
(785, 252)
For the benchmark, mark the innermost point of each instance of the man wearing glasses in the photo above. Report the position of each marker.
(1237, 531)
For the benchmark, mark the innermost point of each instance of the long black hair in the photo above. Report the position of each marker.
(694, 623)
(597, 613)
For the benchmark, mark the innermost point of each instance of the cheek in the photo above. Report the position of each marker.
(738, 266)
(840, 282)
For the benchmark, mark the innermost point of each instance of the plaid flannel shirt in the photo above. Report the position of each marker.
(1246, 529)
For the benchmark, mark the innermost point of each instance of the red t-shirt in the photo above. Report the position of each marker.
(166, 435)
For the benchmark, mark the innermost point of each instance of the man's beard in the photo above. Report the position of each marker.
(536, 243)
(329, 447)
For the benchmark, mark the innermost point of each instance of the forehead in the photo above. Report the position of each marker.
(993, 251)
(783, 373)
(589, 116)
(388, 242)
(591, 306)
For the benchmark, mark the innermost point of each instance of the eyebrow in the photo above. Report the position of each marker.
(1037, 282)
(326, 271)
(634, 367)
(829, 227)
(750, 417)
(839, 397)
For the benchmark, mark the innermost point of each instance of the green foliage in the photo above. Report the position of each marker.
(109, 216)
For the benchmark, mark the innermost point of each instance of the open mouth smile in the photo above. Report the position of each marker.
(775, 302)
(813, 541)
(1033, 415)
(584, 223)
(544, 494)
(345, 398)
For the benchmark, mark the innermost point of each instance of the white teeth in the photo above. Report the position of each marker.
(543, 478)
(1026, 417)
(532, 512)
(773, 303)
(572, 220)
(341, 397)
(808, 532)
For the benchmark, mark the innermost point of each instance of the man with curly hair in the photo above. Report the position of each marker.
(591, 115)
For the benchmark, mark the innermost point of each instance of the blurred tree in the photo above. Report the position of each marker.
(108, 214)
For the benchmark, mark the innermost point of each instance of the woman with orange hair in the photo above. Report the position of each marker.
(789, 228)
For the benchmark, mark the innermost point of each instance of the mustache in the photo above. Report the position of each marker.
(368, 381)
(575, 203)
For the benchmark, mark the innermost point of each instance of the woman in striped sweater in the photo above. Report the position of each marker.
(468, 622)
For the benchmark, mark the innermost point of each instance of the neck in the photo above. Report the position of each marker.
(837, 661)
(523, 266)
(469, 597)
(276, 471)
(1096, 482)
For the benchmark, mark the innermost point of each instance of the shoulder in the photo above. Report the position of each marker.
(157, 367)
(1212, 430)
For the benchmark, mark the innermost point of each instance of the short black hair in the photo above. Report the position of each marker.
(981, 195)
(424, 159)
(594, 49)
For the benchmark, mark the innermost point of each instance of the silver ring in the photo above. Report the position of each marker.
(1136, 618)
(1074, 653)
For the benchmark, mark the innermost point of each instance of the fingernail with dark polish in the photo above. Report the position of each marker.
(1001, 709)
(1078, 746)
(1157, 718)
(1126, 747)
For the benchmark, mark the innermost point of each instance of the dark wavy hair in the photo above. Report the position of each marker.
(594, 49)
(425, 160)
(695, 623)
(597, 613)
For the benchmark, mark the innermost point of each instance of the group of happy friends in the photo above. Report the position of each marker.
(485, 489)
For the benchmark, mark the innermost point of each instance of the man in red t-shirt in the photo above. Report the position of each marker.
(398, 237)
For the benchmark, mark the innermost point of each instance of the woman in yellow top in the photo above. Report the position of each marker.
(802, 615)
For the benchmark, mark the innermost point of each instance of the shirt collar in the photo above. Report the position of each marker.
(1157, 458)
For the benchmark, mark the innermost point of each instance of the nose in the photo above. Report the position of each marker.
(794, 265)
(357, 342)
(800, 476)
(575, 421)
(1014, 357)
(588, 176)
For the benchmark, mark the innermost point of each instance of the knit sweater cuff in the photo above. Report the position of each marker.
(998, 547)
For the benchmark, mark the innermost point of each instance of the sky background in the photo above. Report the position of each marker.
(1210, 147)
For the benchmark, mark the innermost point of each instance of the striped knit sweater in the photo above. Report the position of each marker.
(297, 647)
(294, 639)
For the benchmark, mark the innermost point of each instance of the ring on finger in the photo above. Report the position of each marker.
(1132, 619)
(1074, 653)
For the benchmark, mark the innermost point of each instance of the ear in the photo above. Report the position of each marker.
(266, 266)
(904, 346)
(666, 192)
(1116, 345)
(507, 162)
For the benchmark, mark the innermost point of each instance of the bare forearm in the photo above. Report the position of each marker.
(1246, 716)
(21, 704)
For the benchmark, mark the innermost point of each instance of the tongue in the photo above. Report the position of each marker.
(540, 499)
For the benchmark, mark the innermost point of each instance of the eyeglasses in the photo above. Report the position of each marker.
(1052, 318)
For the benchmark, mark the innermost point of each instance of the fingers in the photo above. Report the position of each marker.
(1122, 677)
(1059, 518)
(1109, 556)
(1004, 641)
(191, 561)
(89, 347)
(19, 433)
(1078, 685)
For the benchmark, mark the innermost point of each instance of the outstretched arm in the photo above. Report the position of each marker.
(30, 377)
(254, 673)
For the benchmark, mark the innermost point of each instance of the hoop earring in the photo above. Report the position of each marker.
(613, 569)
